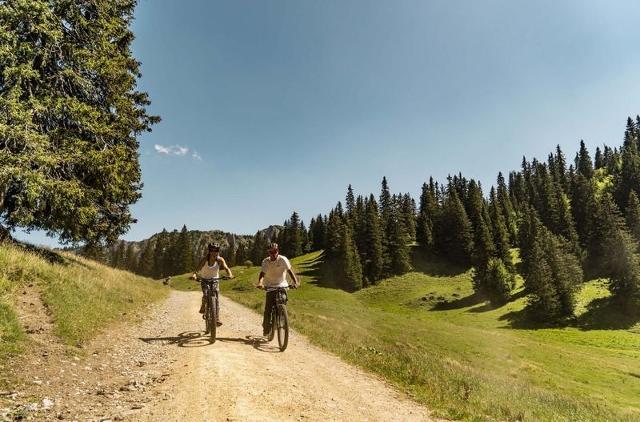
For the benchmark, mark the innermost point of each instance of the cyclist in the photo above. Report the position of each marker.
(274, 272)
(209, 267)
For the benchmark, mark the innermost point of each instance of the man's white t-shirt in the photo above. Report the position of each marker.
(275, 272)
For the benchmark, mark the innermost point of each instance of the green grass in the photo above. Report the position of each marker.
(427, 333)
(82, 296)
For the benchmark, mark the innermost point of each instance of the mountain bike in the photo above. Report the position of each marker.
(280, 317)
(211, 304)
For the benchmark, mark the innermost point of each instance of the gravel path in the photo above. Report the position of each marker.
(165, 369)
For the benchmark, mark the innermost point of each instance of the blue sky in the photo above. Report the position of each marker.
(271, 106)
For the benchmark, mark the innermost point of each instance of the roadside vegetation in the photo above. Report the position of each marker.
(81, 296)
(429, 334)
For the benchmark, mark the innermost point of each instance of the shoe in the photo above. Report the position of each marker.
(201, 308)
(218, 323)
(265, 332)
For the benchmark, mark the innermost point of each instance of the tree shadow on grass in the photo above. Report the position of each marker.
(608, 314)
(52, 256)
(465, 302)
(434, 265)
(601, 314)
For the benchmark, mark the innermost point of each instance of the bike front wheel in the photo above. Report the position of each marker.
(273, 318)
(212, 319)
(282, 325)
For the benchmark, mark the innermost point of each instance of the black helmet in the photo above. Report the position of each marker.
(213, 247)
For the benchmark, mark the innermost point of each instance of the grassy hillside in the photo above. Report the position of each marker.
(428, 334)
(81, 295)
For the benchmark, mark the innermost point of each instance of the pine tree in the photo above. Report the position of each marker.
(160, 264)
(500, 235)
(628, 178)
(507, 209)
(550, 269)
(633, 216)
(373, 263)
(398, 244)
(424, 222)
(185, 259)
(259, 248)
(242, 255)
(454, 235)
(350, 202)
(599, 159)
(584, 165)
(613, 246)
(319, 233)
(94, 251)
(386, 216)
(70, 118)
(350, 267)
(294, 236)
(408, 216)
(583, 207)
(484, 247)
(131, 258)
(119, 255)
(146, 263)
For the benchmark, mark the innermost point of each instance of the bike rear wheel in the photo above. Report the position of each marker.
(282, 321)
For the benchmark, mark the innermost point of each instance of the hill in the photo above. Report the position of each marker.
(427, 333)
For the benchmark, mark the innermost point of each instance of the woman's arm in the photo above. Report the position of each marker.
(199, 267)
(225, 267)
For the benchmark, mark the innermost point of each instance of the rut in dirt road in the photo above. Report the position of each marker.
(242, 377)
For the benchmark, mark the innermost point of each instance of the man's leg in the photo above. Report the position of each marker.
(268, 304)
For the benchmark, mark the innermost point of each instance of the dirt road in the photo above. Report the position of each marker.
(165, 369)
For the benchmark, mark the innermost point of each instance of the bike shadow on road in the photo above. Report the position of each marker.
(184, 339)
(259, 343)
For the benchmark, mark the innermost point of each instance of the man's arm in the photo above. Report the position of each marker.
(293, 277)
(260, 280)
(225, 267)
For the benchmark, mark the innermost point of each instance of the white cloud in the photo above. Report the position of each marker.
(196, 156)
(171, 150)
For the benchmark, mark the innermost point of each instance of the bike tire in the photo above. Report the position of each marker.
(272, 332)
(213, 322)
(282, 327)
(205, 316)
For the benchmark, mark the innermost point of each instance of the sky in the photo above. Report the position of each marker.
(273, 106)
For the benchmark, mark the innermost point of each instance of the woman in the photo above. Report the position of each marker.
(209, 267)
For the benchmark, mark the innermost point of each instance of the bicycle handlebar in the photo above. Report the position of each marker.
(201, 279)
(290, 286)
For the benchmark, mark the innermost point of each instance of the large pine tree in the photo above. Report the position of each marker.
(70, 118)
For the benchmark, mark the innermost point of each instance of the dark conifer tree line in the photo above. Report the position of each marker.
(571, 222)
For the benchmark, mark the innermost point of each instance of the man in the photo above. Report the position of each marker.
(209, 267)
(274, 272)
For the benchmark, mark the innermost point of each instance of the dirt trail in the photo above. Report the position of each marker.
(242, 378)
(165, 369)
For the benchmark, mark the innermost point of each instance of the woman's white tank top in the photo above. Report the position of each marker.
(210, 271)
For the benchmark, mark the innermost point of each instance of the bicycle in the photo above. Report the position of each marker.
(280, 317)
(211, 304)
